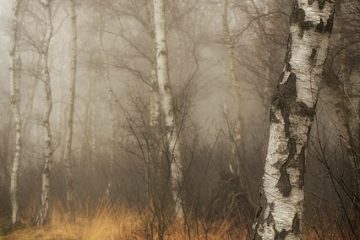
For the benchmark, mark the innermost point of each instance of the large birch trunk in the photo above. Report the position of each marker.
(70, 201)
(291, 116)
(173, 153)
(43, 217)
(15, 75)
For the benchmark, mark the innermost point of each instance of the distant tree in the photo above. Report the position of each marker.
(15, 77)
(43, 216)
(172, 141)
(70, 118)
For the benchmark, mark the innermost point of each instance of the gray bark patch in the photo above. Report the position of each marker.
(284, 184)
(321, 4)
(330, 23)
(320, 26)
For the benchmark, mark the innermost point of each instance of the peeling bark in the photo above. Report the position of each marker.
(173, 152)
(15, 77)
(70, 195)
(292, 112)
(43, 217)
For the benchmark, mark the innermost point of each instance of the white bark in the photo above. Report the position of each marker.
(167, 107)
(45, 76)
(15, 75)
(292, 112)
(70, 118)
(113, 132)
(154, 101)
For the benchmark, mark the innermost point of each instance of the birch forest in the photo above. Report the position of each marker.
(179, 120)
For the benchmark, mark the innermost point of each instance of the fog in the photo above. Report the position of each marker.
(176, 132)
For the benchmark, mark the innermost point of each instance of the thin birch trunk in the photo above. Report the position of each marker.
(166, 99)
(43, 217)
(70, 195)
(15, 75)
(292, 112)
(113, 132)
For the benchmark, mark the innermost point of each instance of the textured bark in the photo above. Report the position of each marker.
(70, 195)
(154, 101)
(173, 153)
(292, 112)
(15, 75)
(43, 217)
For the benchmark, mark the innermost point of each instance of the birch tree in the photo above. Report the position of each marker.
(291, 116)
(70, 201)
(172, 147)
(15, 75)
(45, 77)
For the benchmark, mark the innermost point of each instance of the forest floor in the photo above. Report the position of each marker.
(118, 223)
(114, 223)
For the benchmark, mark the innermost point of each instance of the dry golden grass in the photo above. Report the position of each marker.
(107, 224)
(118, 223)
(111, 223)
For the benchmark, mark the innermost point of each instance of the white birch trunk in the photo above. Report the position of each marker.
(15, 75)
(154, 101)
(166, 99)
(70, 195)
(43, 217)
(113, 132)
(292, 112)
